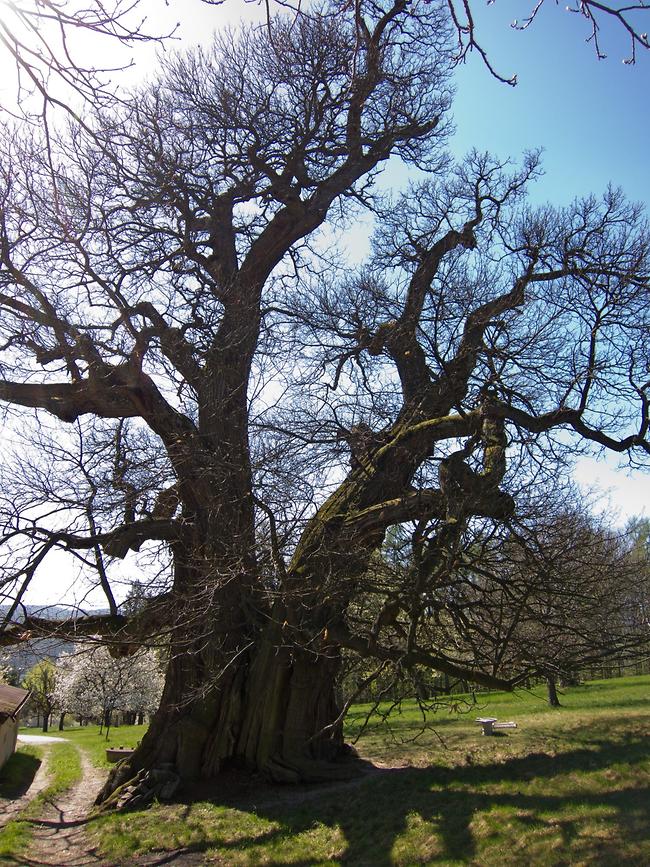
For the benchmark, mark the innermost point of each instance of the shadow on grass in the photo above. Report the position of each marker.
(373, 813)
(18, 774)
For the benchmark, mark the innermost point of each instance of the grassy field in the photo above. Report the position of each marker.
(95, 744)
(568, 786)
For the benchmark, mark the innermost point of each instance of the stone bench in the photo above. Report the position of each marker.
(116, 754)
(490, 724)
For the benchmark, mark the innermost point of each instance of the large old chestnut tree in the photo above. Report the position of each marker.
(209, 379)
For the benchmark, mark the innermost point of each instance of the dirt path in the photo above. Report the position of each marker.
(9, 808)
(59, 838)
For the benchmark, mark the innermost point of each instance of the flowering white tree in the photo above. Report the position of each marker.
(93, 683)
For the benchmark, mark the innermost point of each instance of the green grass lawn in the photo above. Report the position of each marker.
(95, 744)
(402, 737)
(569, 786)
(16, 777)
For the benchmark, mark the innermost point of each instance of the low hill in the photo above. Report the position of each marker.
(22, 657)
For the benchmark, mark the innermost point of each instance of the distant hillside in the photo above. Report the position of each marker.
(55, 612)
(23, 656)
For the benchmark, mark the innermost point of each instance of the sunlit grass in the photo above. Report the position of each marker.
(63, 770)
(95, 743)
(14, 839)
(568, 786)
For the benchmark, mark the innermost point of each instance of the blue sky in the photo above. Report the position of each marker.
(593, 120)
(591, 117)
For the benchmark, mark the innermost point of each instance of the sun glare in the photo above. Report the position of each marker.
(15, 49)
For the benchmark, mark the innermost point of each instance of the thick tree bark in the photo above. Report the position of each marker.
(289, 725)
(253, 687)
(245, 686)
(261, 711)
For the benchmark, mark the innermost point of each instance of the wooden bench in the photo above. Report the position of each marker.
(489, 724)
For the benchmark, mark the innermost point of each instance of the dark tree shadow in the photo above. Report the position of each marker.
(17, 775)
(373, 812)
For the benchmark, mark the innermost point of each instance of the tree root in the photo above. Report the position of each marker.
(146, 786)
(127, 787)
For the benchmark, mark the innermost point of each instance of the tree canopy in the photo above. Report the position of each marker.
(215, 384)
(43, 42)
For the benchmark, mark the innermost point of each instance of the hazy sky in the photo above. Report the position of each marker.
(591, 117)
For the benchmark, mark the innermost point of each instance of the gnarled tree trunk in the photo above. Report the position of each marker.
(245, 686)
(263, 710)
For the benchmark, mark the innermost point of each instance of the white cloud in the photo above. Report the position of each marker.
(625, 493)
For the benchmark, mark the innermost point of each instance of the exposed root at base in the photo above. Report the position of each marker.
(146, 786)
(127, 788)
